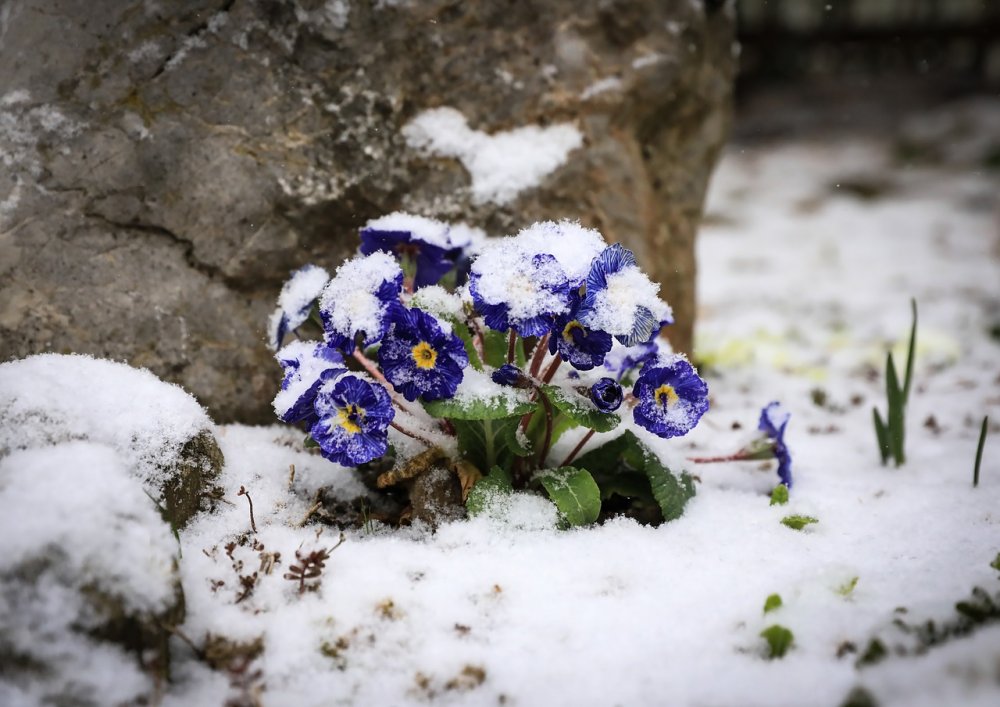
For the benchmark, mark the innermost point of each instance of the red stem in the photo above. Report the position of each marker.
(551, 370)
(576, 450)
(511, 345)
(547, 441)
(738, 457)
(538, 356)
(410, 433)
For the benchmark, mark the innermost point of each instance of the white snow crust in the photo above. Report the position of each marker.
(501, 165)
(349, 299)
(297, 294)
(428, 230)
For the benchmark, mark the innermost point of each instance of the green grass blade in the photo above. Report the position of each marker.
(882, 435)
(908, 376)
(896, 408)
(979, 453)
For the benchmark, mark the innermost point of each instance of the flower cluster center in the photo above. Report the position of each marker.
(666, 395)
(570, 328)
(424, 355)
(350, 418)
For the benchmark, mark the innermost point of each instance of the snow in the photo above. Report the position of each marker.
(436, 300)
(507, 275)
(75, 522)
(52, 398)
(501, 165)
(425, 229)
(296, 298)
(350, 299)
(605, 85)
(803, 288)
(573, 246)
(478, 386)
(616, 307)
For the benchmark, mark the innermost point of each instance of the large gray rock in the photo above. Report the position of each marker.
(167, 164)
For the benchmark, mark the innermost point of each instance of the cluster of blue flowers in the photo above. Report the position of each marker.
(583, 302)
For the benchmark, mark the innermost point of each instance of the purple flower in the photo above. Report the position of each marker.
(581, 346)
(422, 241)
(513, 288)
(622, 360)
(307, 365)
(295, 302)
(621, 300)
(420, 358)
(773, 420)
(508, 374)
(357, 303)
(671, 397)
(606, 394)
(353, 420)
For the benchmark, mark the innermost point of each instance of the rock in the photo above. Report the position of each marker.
(164, 171)
(436, 497)
(88, 580)
(163, 435)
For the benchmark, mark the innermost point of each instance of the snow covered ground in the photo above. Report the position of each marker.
(808, 259)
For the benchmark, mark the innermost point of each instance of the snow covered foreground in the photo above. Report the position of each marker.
(803, 285)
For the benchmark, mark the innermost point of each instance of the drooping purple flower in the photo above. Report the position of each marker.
(357, 303)
(420, 358)
(353, 416)
(606, 394)
(621, 300)
(508, 375)
(295, 302)
(671, 397)
(514, 288)
(580, 345)
(307, 365)
(424, 242)
(773, 421)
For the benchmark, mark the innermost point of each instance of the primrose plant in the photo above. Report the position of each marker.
(441, 347)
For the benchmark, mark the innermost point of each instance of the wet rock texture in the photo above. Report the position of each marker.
(165, 165)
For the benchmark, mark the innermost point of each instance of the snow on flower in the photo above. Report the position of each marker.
(606, 394)
(622, 300)
(420, 358)
(623, 360)
(358, 299)
(307, 365)
(295, 302)
(581, 346)
(353, 419)
(426, 242)
(512, 287)
(773, 420)
(573, 246)
(671, 397)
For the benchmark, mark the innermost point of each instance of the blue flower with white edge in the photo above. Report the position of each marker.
(515, 289)
(671, 397)
(425, 242)
(773, 420)
(353, 416)
(623, 360)
(607, 395)
(573, 246)
(295, 302)
(307, 365)
(580, 345)
(357, 303)
(420, 356)
(621, 300)
(509, 375)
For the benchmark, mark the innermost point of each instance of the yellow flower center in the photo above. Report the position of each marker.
(349, 417)
(567, 332)
(665, 395)
(423, 355)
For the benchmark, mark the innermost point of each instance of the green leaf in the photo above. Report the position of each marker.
(493, 408)
(779, 640)
(509, 437)
(574, 492)
(627, 484)
(908, 376)
(670, 491)
(996, 562)
(779, 495)
(847, 588)
(487, 443)
(309, 442)
(486, 490)
(580, 410)
(608, 456)
(979, 454)
(772, 603)
(882, 435)
(797, 522)
(495, 347)
(896, 408)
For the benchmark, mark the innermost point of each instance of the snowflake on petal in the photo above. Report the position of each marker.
(307, 365)
(353, 420)
(357, 303)
(580, 345)
(295, 302)
(420, 358)
(671, 397)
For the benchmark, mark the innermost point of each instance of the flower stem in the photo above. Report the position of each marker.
(538, 356)
(551, 370)
(740, 456)
(511, 345)
(410, 433)
(576, 450)
(547, 440)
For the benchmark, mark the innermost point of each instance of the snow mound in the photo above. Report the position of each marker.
(85, 552)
